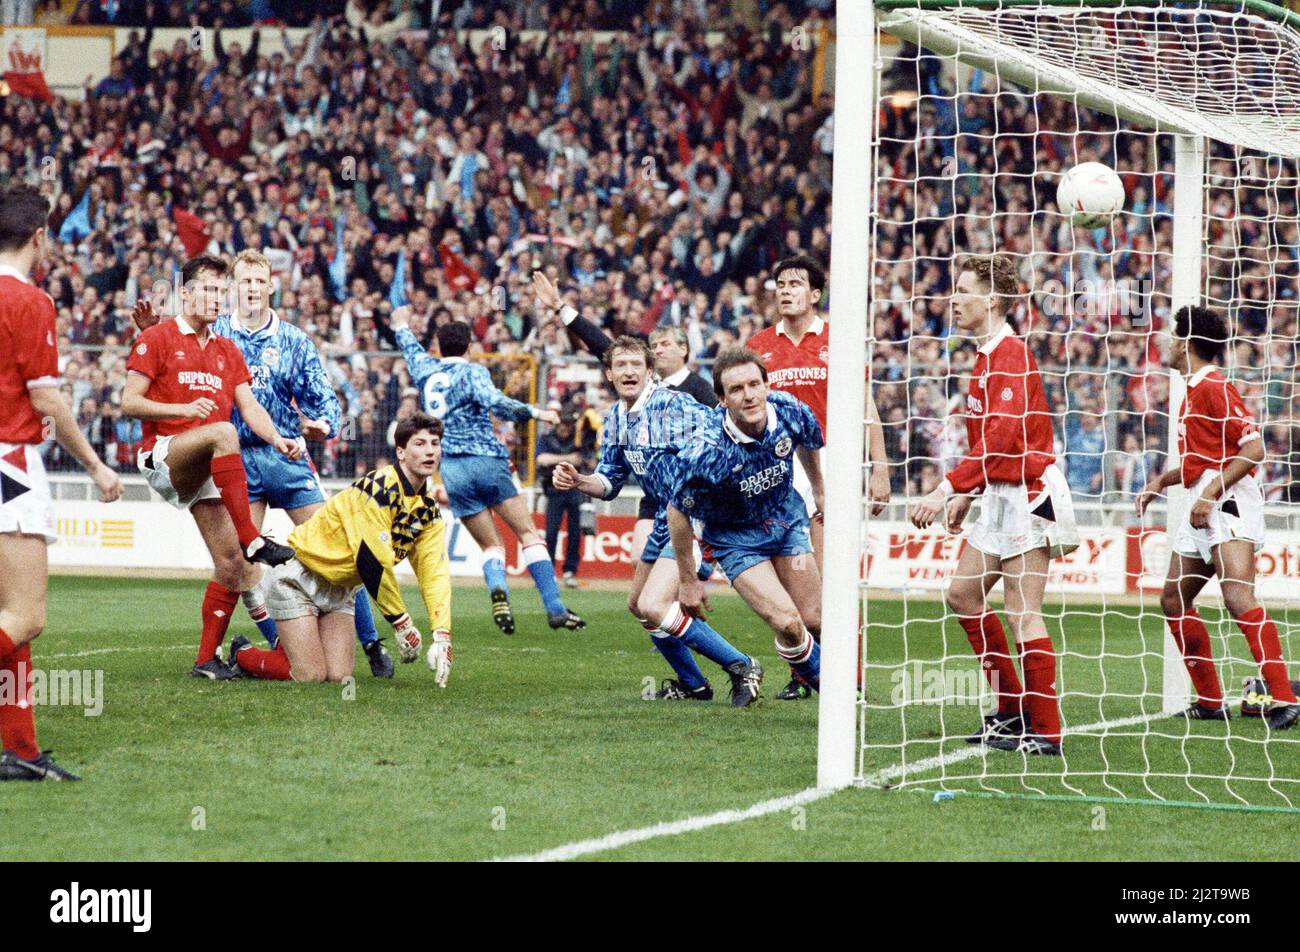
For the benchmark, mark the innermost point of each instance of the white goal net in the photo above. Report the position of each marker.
(979, 110)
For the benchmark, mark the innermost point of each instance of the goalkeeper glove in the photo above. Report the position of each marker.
(408, 639)
(439, 657)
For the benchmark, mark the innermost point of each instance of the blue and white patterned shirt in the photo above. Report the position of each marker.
(462, 396)
(286, 369)
(727, 479)
(644, 439)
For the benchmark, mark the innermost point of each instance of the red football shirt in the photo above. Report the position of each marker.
(29, 355)
(798, 369)
(1007, 420)
(182, 371)
(1214, 424)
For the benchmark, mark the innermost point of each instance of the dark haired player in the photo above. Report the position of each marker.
(355, 540)
(475, 467)
(1219, 447)
(1026, 519)
(29, 403)
(183, 381)
(795, 350)
(736, 479)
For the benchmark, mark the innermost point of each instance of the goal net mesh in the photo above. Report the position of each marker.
(974, 128)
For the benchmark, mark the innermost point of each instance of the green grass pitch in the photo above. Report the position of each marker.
(542, 739)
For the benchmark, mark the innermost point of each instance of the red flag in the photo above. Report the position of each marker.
(193, 232)
(459, 275)
(29, 84)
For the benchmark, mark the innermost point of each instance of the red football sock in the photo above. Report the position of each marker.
(228, 473)
(1198, 656)
(1039, 662)
(7, 646)
(17, 723)
(989, 642)
(271, 665)
(218, 604)
(1261, 634)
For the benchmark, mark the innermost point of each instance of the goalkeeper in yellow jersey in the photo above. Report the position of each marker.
(356, 540)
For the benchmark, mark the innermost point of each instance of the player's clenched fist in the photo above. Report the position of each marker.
(439, 657)
(564, 477)
(408, 639)
(200, 409)
(289, 448)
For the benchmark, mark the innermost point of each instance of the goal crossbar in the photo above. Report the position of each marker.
(1148, 63)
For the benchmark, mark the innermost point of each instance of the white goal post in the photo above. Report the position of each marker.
(1128, 60)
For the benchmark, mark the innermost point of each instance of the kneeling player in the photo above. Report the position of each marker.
(737, 480)
(642, 434)
(1026, 520)
(355, 540)
(1219, 447)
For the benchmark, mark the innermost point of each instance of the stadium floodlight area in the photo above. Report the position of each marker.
(968, 113)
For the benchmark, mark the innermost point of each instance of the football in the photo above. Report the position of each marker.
(1090, 193)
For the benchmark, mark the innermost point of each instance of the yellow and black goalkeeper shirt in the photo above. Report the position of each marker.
(365, 530)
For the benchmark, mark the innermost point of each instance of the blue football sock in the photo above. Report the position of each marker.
(811, 670)
(494, 570)
(680, 659)
(366, 633)
(267, 627)
(711, 644)
(542, 569)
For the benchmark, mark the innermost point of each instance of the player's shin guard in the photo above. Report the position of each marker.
(989, 642)
(805, 658)
(697, 634)
(267, 665)
(1261, 635)
(365, 619)
(255, 601)
(1039, 662)
(17, 721)
(1198, 657)
(232, 482)
(678, 656)
(542, 569)
(494, 569)
(218, 603)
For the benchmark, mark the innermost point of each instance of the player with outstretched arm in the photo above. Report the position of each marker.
(642, 435)
(475, 467)
(736, 480)
(1219, 446)
(30, 407)
(1026, 519)
(354, 541)
(183, 381)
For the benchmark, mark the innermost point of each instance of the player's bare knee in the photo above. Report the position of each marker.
(25, 626)
(1238, 599)
(960, 601)
(1171, 600)
(224, 438)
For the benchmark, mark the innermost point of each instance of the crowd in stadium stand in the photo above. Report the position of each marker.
(658, 174)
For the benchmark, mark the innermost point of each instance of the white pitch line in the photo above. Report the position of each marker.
(617, 840)
(99, 651)
(613, 841)
(898, 771)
